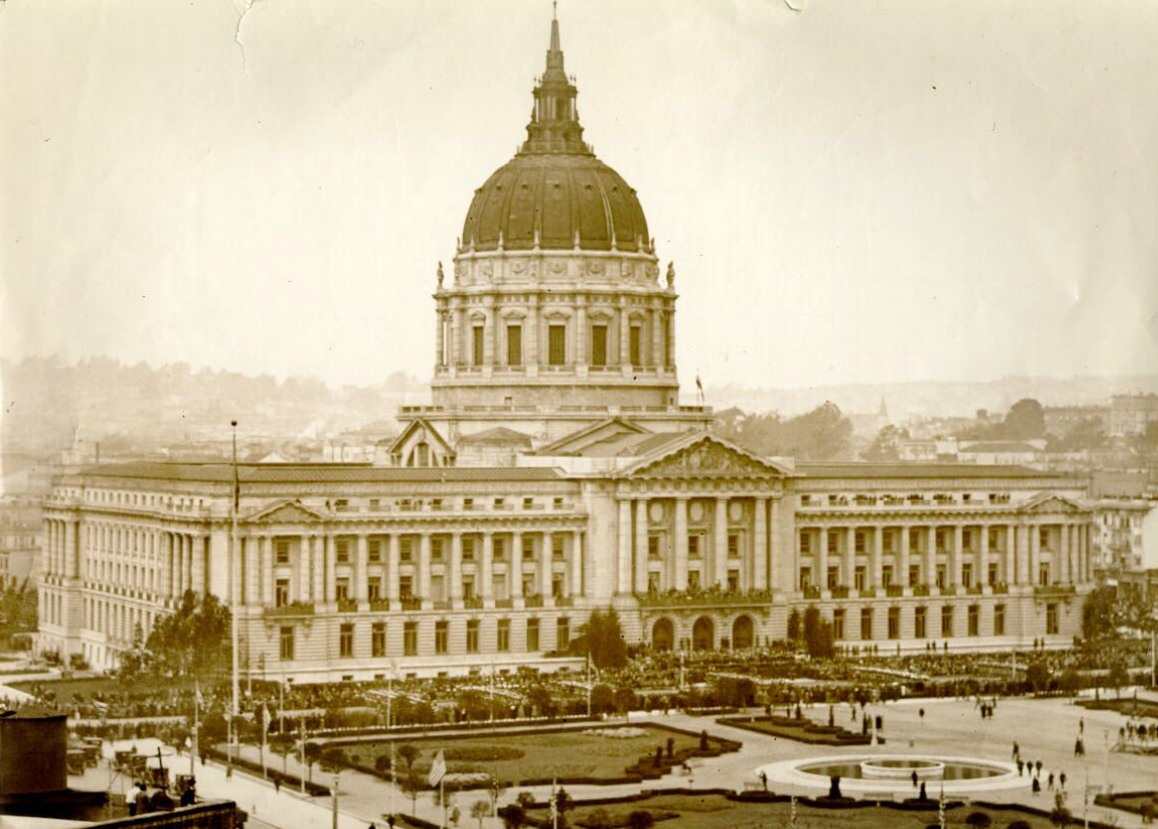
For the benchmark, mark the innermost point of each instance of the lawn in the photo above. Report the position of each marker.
(598, 753)
(713, 811)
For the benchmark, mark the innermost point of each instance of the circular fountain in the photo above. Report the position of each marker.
(896, 773)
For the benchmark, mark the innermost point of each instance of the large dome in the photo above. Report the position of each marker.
(569, 200)
(555, 194)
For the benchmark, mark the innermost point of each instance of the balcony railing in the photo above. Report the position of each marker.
(840, 591)
(1000, 587)
(811, 591)
(291, 609)
(473, 603)
(347, 605)
(533, 601)
(410, 603)
(921, 590)
(974, 590)
(703, 598)
(895, 590)
(564, 601)
(379, 605)
(1054, 590)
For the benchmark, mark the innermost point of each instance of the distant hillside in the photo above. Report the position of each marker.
(932, 398)
(49, 406)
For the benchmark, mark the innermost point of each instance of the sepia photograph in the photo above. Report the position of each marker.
(578, 414)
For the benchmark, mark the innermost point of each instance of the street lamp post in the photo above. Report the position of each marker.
(334, 802)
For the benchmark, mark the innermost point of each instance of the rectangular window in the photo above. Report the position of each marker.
(281, 595)
(974, 620)
(599, 345)
(805, 577)
(286, 644)
(468, 587)
(503, 636)
(967, 539)
(838, 623)
(468, 549)
(1043, 573)
(693, 580)
(920, 629)
(436, 548)
(947, 620)
(374, 550)
(995, 539)
(1043, 537)
(557, 547)
(342, 589)
(342, 550)
(859, 541)
(693, 545)
(887, 575)
(378, 639)
(562, 633)
(346, 641)
(528, 547)
(859, 577)
(941, 576)
(410, 639)
(834, 541)
(733, 580)
(733, 545)
(557, 586)
(999, 620)
(894, 623)
(967, 575)
(406, 586)
(281, 551)
(866, 623)
(499, 549)
(514, 345)
(993, 573)
(472, 635)
(805, 543)
(653, 546)
(635, 345)
(556, 344)
(1051, 624)
(653, 583)
(940, 540)
(476, 349)
(406, 548)
(532, 634)
(833, 577)
(914, 575)
(441, 636)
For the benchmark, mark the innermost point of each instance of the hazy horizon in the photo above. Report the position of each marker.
(910, 192)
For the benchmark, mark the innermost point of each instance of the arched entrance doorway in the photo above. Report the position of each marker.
(742, 633)
(703, 634)
(663, 635)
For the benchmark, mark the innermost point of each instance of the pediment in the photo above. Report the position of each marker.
(1053, 505)
(703, 455)
(286, 512)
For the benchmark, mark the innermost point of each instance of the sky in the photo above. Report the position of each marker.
(889, 191)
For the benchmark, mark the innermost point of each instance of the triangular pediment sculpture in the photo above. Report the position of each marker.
(702, 454)
(286, 512)
(1053, 505)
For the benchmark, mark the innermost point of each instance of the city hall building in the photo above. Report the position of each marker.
(555, 472)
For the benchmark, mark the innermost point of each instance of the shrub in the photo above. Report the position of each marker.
(979, 820)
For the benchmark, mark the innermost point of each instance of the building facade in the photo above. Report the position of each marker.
(555, 472)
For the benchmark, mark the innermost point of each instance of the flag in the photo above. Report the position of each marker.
(437, 769)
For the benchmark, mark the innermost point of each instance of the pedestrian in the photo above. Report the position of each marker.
(1049, 782)
(1081, 725)
(229, 772)
(1020, 765)
(277, 783)
(1078, 747)
(1061, 779)
(1035, 786)
(1037, 765)
(914, 776)
(1016, 750)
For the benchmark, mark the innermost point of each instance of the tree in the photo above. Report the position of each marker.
(817, 634)
(820, 434)
(1060, 816)
(640, 819)
(1037, 675)
(1099, 614)
(599, 819)
(1025, 420)
(193, 641)
(601, 637)
(313, 753)
(602, 699)
(794, 622)
(480, 809)
(1118, 677)
(514, 816)
(887, 444)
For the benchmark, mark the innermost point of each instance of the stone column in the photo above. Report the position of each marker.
(424, 566)
(1034, 553)
(362, 568)
(1021, 547)
(490, 324)
(759, 540)
(822, 558)
(654, 320)
(454, 574)
(720, 547)
(486, 575)
(577, 563)
(546, 559)
(624, 336)
(931, 556)
(531, 346)
(516, 568)
(252, 571)
(1067, 545)
(904, 564)
(983, 555)
(641, 547)
(875, 575)
(957, 555)
(267, 567)
(394, 563)
(441, 337)
(331, 565)
(581, 357)
(197, 564)
(849, 567)
(681, 542)
(623, 572)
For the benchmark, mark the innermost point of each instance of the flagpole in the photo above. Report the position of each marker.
(235, 709)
